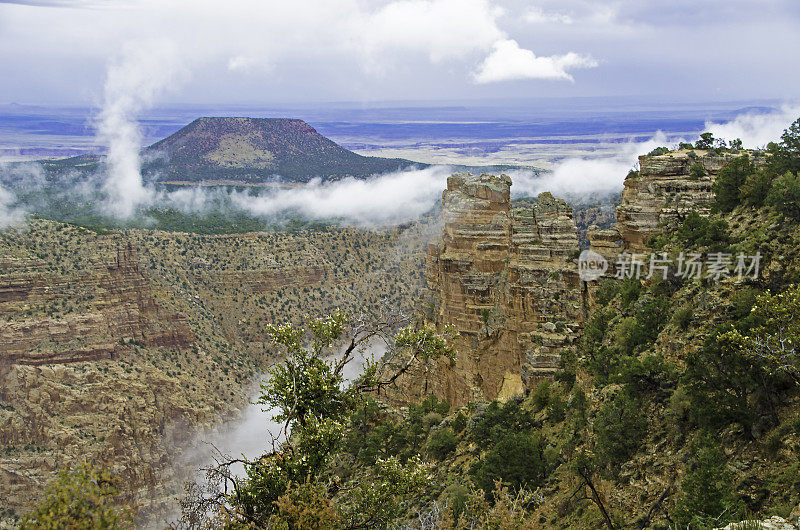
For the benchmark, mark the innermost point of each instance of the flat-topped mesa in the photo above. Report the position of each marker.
(505, 280)
(667, 187)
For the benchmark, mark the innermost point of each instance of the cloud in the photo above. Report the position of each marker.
(584, 175)
(386, 199)
(535, 15)
(343, 45)
(133, 83)
(509, 62)
(441, 29)
(756, 129)
(9, 213)
(22, 177)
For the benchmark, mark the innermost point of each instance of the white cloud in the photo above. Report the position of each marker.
(386, 199)
(756, 129)
(9, 214)
(442, 29)
(584, 175)
(535, 15)
(509, 62)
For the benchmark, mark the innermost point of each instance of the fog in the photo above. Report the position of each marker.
(757, 128)
(133, 83)
(587, 176)
(390, 198)
(249, 435)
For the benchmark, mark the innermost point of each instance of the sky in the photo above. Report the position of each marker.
(265, 52)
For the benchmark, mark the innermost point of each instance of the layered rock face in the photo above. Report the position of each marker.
(665, 190)
(504, 279)
(119, 308)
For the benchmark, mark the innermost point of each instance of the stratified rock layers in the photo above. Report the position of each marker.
(121, 309)
(504, 279)
(666, 189)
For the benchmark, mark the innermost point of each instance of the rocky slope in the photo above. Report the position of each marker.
(118, 347)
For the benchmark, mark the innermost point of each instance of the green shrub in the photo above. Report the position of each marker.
(578, 407)
(456, 496)
(784, 195)
(755, 188)
(707, 498)
(729, 181)
(773, 444)
(620, 426)
(498, 421)
(459, 422)
(629, 291)
(441, 443)
(697, 171)
(697, 231)
(540, 396)
(86, 497)
(706, 141)
(742, 303)
(556, 409)
(516, 459)
(651, 316)
(727, 385)
(607, 291)
(683, 317)
(651, 374)
(658, 151)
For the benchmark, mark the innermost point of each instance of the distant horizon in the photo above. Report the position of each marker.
(632, 99)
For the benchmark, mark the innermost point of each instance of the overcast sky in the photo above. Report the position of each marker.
(266, 52)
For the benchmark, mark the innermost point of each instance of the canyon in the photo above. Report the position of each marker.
(121, 348)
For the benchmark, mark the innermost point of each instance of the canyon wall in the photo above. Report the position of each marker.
(666, 188)
(117, 307)
(505, 278)
(118, 347)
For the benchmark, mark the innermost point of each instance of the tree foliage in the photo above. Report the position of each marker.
(85, 498)
(314, 401)
(620, 427)
(730, 179)
(707, 498)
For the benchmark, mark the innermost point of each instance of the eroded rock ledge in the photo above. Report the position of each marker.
(506, 279)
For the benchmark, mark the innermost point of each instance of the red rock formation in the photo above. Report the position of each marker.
(504, 279)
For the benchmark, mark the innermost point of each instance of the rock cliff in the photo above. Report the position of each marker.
(119, 308)
(505, 279)
(666, 188)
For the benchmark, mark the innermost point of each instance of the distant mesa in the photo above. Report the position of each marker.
(249, 151)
